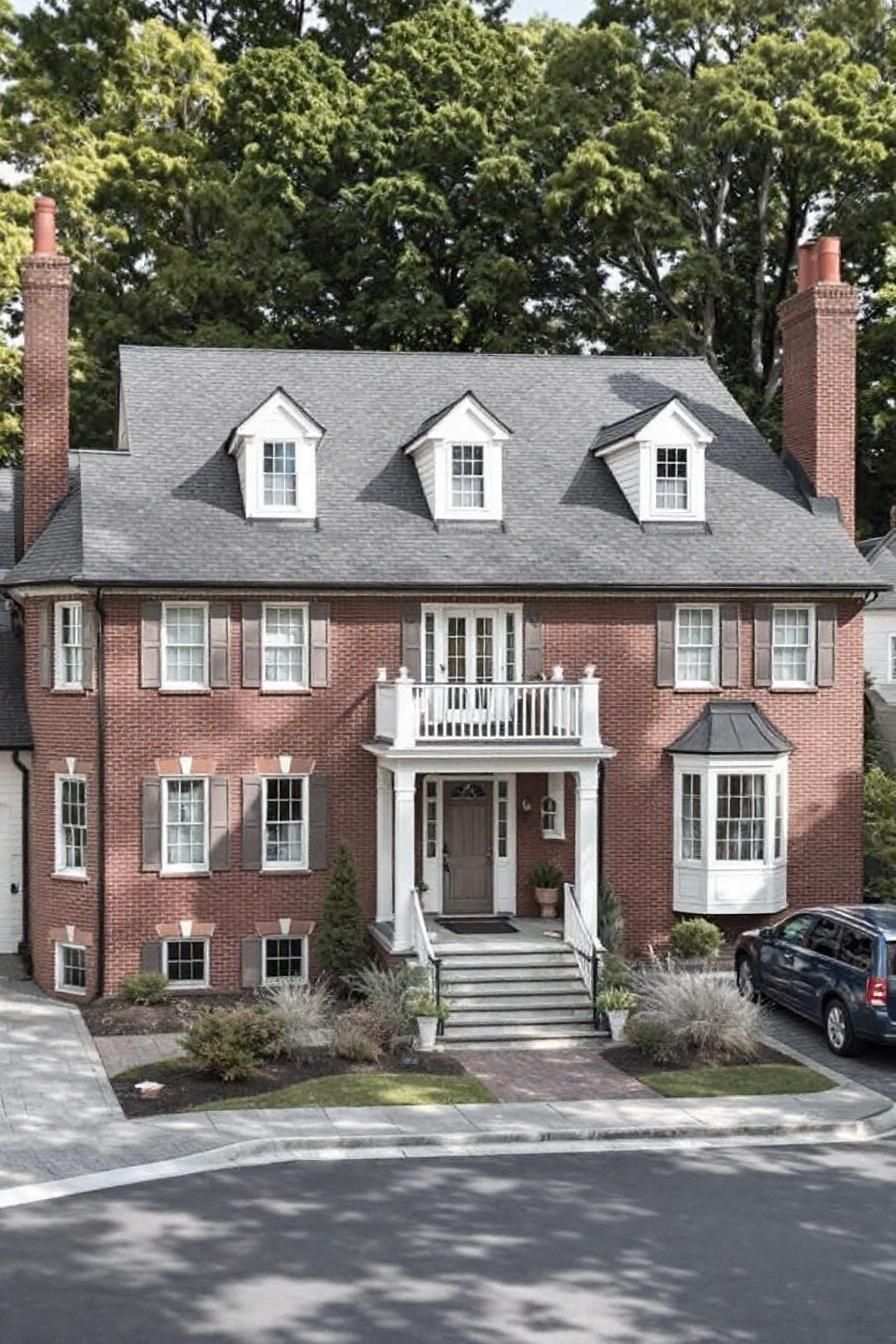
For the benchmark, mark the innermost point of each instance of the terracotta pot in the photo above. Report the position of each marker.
(548, 898)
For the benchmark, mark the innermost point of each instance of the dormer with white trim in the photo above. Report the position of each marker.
(276, 455)
(658, 457)
(459, 457)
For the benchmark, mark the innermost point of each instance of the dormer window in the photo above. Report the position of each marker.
(658, 459)
(276, 454)
(459, 455)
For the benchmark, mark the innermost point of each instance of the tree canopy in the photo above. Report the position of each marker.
(425, 174)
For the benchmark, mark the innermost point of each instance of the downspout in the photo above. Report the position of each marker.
(26, 886)
(99, 676)
(601, 785)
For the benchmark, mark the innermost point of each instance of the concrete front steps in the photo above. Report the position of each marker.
(523, 993)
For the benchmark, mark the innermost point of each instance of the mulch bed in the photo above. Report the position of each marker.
(115, 1017)
(629, 1060)
(186, 1086)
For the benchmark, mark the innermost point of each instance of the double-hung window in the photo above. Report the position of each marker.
(285, 651)
(691, 818)
(467, 476)
(285, 803)
(71, 968)
(793, 643)
(185, 646)
(69, 645)
(671, 482)
(185, 826)
(283, 959)
(71, 825)
(741, 821)
(697, 646)
(185, 962)
(280, 475)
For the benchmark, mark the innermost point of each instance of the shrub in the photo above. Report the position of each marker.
(685, 1017)
(615, 999)
(695, 938)
(353, 1039)
(426, 1005)
(547, 877)
(375, 982)
(615, 972)
(302, 1012)
(609, 918)
(340, 942)
(880, 832)
(145, 988)
(232, 1042)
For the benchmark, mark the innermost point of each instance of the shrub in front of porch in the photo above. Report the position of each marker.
(693, 939)
(686, 1018)
(340, 941)
(231, 1043)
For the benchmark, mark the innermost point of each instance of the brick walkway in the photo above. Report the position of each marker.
(130, 1052)
(578, 1073)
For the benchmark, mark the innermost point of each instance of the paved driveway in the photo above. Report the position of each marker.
(876, 1068)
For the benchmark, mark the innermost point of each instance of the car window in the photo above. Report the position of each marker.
(856, 949)
(794, 930)
(825, 937)
(891, 957)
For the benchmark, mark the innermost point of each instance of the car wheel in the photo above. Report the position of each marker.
(838, 1029)
(746, 980)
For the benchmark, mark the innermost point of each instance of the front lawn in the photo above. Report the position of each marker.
(365, 1089)
(737, 1080)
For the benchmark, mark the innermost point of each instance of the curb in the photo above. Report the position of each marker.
(270, 1150)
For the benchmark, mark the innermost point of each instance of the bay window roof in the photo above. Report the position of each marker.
(731, 728)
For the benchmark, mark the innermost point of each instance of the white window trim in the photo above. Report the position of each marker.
(57, 979)
(715, 681)
(810, 680)
(169, 868)
(499, 615)
(268, 866)
(657, 510)
(556, 792)
(167, 685)
(178, 985)
(306, 630)
(59, 680)
(59, 868)
(284, 979)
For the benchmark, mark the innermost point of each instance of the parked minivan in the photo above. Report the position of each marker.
(835, 965)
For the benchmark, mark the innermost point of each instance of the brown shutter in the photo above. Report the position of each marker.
(318, 822)
(319, 617)
(533, 643)
(762, 645)
(411, 652)
(152, 824)
(219, 644)
(251, 962)
(151, 957)
(825, 638)
(252, 822)
(665, 644)
(45, 643)
(88, 655)
(219, 834)
(151, 644)
(729, 620)
(251, 643)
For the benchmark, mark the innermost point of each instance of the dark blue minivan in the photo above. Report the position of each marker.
(835, 965)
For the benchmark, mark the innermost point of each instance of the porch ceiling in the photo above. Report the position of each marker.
(498, 759)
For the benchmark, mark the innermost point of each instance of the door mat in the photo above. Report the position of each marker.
(496, 924)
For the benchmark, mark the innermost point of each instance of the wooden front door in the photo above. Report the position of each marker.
(467, 833)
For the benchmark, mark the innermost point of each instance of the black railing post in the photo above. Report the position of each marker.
(594, 983)
(440, 1029)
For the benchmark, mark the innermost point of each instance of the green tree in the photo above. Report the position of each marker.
(880, 832)
(340, 939)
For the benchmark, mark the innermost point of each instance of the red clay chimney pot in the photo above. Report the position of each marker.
(806, 268)
(44, 225)
(827, 254)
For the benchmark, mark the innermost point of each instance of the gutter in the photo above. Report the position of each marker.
(99, 676)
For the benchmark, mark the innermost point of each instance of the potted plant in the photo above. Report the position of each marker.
(429, 1013)
(617, 1002)
(547, 880)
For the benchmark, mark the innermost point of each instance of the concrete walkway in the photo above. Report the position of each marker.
(62, 1129)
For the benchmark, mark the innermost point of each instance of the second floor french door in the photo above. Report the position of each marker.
(471, 645)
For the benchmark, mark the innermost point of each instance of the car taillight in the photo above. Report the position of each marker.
(876, 991)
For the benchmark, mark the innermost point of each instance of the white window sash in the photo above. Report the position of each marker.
(286, 482)
(167, 683)
(283, 979)
(284, 865)
(203, 866)
(664, 510)
(715, 648)
(61, 680)
(206, 959)
(60, 849)
(61, 986)
(434, 653)
(272, 684)
(784, 683)
(688, 860)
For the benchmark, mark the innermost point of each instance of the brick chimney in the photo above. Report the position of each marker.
(818, 331)
(46, 286)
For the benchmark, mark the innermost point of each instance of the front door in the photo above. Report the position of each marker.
(467, 834)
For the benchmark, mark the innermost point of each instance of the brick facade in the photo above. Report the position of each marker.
(233, 727)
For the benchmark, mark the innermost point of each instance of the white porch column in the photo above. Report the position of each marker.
(586, 843)
(384, 836)
(404, 855)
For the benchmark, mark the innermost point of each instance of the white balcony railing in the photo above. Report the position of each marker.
(410, 714)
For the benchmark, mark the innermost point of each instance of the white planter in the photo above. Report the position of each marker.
(426, 1030)
(617, 1019)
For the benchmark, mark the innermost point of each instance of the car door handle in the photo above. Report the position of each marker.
(788, 957)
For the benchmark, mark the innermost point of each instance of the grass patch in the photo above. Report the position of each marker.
(364, 1089)
(737, 1080)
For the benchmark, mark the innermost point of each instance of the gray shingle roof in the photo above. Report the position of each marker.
(624, 429)
(169, 511)
(731, 728)
(15, 730)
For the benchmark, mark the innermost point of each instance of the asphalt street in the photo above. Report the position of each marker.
(768, 1245)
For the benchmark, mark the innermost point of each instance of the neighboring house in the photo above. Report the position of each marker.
(880, 643)
(461, 612)
(15, 738)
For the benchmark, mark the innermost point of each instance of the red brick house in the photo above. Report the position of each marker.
(463, 613)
